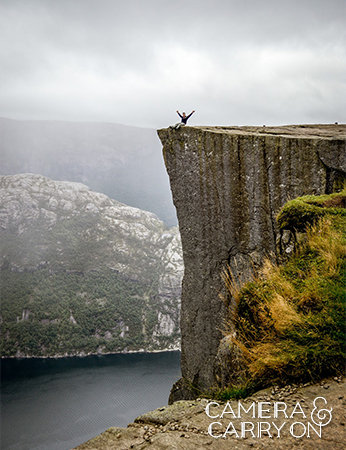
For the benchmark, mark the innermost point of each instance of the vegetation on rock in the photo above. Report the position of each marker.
(82, 273)
(48, 314)
(302, 212)
(290, 320)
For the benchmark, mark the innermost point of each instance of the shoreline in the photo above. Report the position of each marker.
(176, 349)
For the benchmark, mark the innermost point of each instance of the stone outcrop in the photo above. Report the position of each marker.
(128, 237)
(228, 184)
(185, 424)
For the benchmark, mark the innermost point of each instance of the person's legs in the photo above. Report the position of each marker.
(176, 126)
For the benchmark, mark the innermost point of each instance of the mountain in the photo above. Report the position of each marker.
(121, 161)
(82, 273)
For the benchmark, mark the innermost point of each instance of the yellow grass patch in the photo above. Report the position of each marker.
(283, 314)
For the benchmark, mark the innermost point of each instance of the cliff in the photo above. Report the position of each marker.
(228, 184)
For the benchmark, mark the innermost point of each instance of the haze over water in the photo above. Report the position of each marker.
(57, 404)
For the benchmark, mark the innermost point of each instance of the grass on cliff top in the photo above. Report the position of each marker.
(290, 321)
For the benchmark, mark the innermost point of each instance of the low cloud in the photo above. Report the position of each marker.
(137, 62)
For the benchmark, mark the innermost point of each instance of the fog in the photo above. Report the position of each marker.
(137, 62)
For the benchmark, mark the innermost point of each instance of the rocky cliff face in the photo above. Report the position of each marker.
(78, 262)
(228, 183)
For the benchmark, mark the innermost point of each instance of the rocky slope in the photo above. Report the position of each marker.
(83, 273)
(121, 161)
(228, 183)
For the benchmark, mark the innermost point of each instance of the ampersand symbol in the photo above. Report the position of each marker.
(322, 414)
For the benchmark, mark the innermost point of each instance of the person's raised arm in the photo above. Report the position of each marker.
(179, 114)
(190, 114)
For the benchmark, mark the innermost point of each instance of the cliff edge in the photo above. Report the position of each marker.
(228, 184)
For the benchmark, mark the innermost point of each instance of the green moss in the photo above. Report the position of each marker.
(302, 212)
(232, 392)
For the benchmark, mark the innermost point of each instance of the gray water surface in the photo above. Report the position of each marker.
(57, 404)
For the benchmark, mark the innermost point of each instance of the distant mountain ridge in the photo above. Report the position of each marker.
(82, 273)
(120, 161)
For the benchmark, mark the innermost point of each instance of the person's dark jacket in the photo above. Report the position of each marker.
(184, 119)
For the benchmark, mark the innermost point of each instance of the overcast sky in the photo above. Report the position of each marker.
(135, 62)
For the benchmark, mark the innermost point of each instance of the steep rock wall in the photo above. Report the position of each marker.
(228, 184)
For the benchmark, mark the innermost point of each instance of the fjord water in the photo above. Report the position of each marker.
(57, 404)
